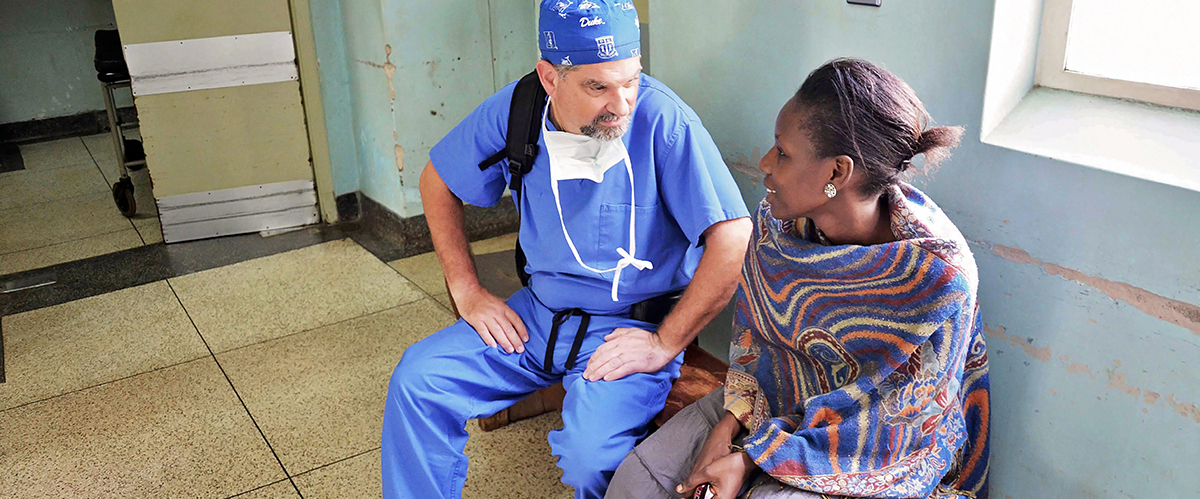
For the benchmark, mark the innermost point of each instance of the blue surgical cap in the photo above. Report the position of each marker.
(588, 31)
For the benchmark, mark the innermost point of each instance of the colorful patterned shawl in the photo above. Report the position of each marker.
(861, 370)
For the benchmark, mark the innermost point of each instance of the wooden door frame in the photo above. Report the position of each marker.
(314, 110)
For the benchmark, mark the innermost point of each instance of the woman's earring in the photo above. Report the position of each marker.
(830, 190)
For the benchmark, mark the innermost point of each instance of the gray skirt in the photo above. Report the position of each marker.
(653, 468)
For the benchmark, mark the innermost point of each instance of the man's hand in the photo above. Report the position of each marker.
(725, 474)
(495, 322)
(626, 351)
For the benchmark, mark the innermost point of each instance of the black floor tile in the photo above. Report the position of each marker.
(10, 158)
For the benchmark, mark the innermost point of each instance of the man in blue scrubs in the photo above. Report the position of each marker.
(628, 201)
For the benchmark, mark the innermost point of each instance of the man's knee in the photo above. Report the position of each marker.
(589, 460)
(584, 476)
(411, 377)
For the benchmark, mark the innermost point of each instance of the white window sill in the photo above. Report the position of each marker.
(1139, 140)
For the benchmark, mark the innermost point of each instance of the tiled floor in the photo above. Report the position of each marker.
(59, 208)
(426, 272)
(262, 379)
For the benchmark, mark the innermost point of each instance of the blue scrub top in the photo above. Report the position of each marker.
(682, 185)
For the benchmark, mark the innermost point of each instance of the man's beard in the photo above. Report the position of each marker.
(604, 132)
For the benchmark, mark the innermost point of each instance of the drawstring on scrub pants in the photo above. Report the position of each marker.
(560, 318)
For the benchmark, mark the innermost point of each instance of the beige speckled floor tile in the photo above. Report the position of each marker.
(29, 187)
(101, 148)
(514, 461)
(58, 349)
(354, 478)
(146, 220)
(69, 251)
(495, 244)
(176, 432)
(444, 299)
(318, 396)
(290, 292)
(426, 271)
(143, 190)
(277, 490)
(57, 222)
(55, 154)
(108, 166)
(149, 228)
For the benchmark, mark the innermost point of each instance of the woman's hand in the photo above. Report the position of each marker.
(725, 475)
(715, 449)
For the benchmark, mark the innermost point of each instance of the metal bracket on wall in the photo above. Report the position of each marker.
(256, 208)
(873, 3)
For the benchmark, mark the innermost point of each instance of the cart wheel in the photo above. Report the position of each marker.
(123, 195)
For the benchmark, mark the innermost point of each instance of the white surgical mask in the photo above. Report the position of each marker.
(574, 156)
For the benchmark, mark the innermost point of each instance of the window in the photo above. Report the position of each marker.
(1069, 79)
(1147, 50)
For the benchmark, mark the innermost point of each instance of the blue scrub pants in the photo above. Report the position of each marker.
(452, 376)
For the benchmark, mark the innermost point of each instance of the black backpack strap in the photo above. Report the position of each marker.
(524, 128)
(521, 144)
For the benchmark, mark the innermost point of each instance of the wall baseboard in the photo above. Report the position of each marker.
(399, 237)
(75, 125)
(349, 208)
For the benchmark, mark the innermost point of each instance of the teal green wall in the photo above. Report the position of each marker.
(1089, 281)
(446, 57)
(46, 52)
(1092, 396)
(329, 33)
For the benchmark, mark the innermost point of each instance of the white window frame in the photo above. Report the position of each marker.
(1052, 72)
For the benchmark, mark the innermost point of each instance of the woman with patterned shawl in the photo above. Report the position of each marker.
(858, 366)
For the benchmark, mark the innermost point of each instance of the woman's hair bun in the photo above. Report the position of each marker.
(935, 143)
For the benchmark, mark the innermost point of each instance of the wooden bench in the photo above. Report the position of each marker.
(700, 374)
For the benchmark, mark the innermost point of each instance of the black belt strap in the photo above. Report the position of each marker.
(653, 311)
(560, 318)
(578, 343)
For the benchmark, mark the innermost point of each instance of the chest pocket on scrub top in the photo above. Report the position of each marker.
(613, 231)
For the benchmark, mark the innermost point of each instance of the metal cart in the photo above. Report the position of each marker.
(113, 74)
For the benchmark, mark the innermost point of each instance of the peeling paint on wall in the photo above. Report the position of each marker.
(1185, 410)
(1078, 368)
(1043, 354)
(1151, 397)
(388, 68)
(1180, 313)
(400, 159)
(1116, 379)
